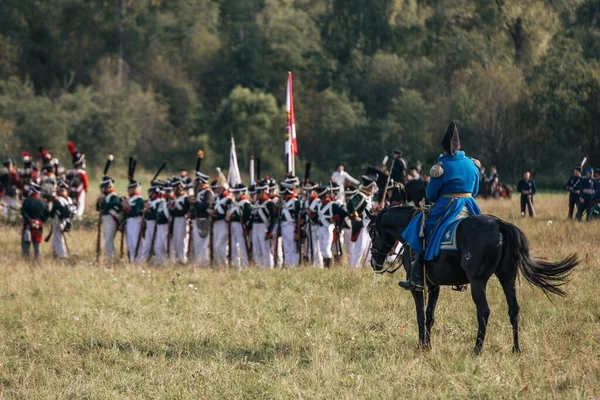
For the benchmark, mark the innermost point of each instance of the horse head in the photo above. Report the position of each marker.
(381, 241)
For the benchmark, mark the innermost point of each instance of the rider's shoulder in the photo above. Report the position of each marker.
(437, 170)
(476, 162)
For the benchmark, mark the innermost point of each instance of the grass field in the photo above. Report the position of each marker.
(79, 330)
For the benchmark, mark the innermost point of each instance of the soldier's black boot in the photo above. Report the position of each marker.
(415, 279)
(327, 262)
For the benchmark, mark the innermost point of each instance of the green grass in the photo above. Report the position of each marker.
(80, 330)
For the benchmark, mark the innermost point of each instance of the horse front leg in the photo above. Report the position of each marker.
(420, 305)
(434, 293)
(478, 292)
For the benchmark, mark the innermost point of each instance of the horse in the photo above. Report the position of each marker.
(487, 245)
(415, 191)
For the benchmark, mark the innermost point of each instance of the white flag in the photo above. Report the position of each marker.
(233, 177)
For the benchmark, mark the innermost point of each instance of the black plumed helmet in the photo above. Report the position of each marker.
(451, 141)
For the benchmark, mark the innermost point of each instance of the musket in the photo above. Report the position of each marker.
(162, 166)
(123, 227)
(229, 247)
(9, 206)
(211, 244)
(387, 183)
(47, 238)
(306, 219)
(139, 238)
(153, 237)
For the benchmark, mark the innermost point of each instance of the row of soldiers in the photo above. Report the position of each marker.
(268, 223)
(584, 193)
(16, 183)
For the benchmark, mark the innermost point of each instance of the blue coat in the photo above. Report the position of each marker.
(460, 175)
(587, 189)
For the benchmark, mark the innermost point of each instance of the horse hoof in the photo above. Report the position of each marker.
(424, 346)
(477, 351)
(516, 350)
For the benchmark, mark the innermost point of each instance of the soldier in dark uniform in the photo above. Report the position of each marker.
(35, 213)
(573, 190)
(527, 189)
(264, 220)
(587, 190)
(398, 172)
(203, 206)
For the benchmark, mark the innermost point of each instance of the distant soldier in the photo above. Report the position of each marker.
(527, 189)
(78, 180)
(203, 207)
(342, 178)
(162, 223)
(587, 190)
(220, 226)
(27, 174)
(240, 217)
(289, 212)
(9, 180)
(350, 225)
(133, 210)
(572, 187)
(361, 203)
(398, 172)
(48, 179)
(264, 220)
(150, 212)
(312, 205)
(330, 213)
(179, 222)
(61, 213)
(35, 213)
(109, 205)
(277, 243)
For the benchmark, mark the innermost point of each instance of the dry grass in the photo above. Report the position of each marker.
(83, 331)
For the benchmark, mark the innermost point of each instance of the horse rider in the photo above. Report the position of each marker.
(453, 185)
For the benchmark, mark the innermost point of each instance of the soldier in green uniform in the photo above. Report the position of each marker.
(133, 210)
(239, 216)
(150, 218)
(109, 205)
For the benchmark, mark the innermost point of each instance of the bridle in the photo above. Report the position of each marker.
(374, 252)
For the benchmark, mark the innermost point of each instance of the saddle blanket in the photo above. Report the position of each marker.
(449, 240)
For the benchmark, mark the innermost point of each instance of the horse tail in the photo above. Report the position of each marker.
(546, 275)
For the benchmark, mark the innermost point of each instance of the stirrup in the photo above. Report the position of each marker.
(411, 285)
(459, 288)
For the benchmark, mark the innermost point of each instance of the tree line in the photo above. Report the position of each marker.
(162, 79)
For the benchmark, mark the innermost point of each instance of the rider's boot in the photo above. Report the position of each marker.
(415, 280)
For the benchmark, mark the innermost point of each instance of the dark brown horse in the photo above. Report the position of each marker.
(486, 246)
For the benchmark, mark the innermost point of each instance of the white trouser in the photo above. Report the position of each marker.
(316, 257)
(348, 244)
(59, 249)
(221, 242)
(239, 253)
(10, 204)
(360, 253)
(278, 249)
(144, 251)
(133, 227)
(394, 252)
(80, 205)
(201, 246)
(261, 248)
(288, 231)
(109, 227)
(160, 244)
(179, 240)
(326, 239)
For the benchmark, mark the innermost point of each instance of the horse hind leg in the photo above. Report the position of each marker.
(478, 292)
(510, 292)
